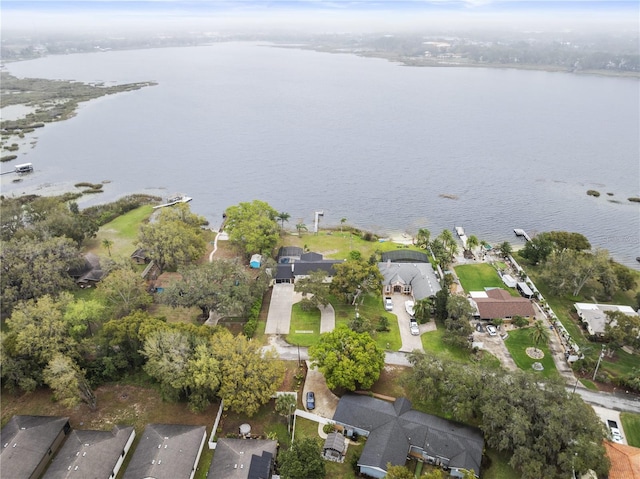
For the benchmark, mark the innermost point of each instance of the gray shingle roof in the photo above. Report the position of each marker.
(166, 451)
(26, 441)
(334, 441)
(242, 459)
(420, 276)
(394, 428)
(89, 454)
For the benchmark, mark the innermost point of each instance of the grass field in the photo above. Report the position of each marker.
(336, 245)
(432, 343)
(372, 309)
(304, 321)
(477, 277)
(631, 427)
(517, 343)
(122, 232)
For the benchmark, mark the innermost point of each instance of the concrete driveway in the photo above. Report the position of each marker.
(409, 342)
(609, 414)
(279, 315)
(326, 401)
(495, 345)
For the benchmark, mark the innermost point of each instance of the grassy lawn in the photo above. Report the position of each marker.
(476, 277)
(307, 428)
(517, 343)
(589, 384)
(304, 321)
(372, 309)
(563, 306)
(336, 245)
(631, 427)
(432, 342)
(499, 467)
(122, 232)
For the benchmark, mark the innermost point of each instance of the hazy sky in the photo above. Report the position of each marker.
(317, 15)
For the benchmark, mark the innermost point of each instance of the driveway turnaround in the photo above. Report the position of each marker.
(279, 315)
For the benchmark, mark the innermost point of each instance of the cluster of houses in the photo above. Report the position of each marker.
(47, 447)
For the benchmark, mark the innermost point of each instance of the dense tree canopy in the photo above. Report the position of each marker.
(303, 460)
(622, 329)
(348, 359)
(221, 285)
(545, 429)
(68, 382)
(123, 291)
(175, 239)
(32, 268)
(249, 377)
(253, 227)
(355, 278)
(314, 289)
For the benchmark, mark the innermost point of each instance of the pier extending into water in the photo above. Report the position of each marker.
(523, 233)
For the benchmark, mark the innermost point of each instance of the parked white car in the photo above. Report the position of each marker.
(409, 305)
(616, 435)
(491, 329)
(413, 327)
(388, 304)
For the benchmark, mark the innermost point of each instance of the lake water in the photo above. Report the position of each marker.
(391, 148)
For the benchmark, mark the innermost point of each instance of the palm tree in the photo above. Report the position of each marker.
(282, 217)
(107, 243)
(472, 242)
(301, 227)
(422, 309)
(506, 249)
(449, 242)
(539, 332)
(342, 222)
(423, 237)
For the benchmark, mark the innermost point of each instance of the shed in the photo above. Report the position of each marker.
(256, 259)
(525, 290)
(334, 447)
(509, 280)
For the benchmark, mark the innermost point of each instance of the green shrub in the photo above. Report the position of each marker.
(593, 193)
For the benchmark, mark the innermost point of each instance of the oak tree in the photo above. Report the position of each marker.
(348, 359)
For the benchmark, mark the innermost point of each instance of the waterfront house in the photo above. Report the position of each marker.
(595, 318)
(497, 303)
(293, 264)
(89, 272)
(417, 280)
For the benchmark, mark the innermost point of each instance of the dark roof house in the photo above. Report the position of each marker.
(293, 263)
(416, 279)
(140, 256)
(395, 431)
(243, 459)
(28, 442)
(498, 303)
(92, 454)
(167, 451)
(90, 272)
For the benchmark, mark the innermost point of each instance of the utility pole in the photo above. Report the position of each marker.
(598, 364)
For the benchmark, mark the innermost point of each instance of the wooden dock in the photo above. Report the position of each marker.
(523, 233)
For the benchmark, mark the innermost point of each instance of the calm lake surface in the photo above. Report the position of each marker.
(372, 141)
